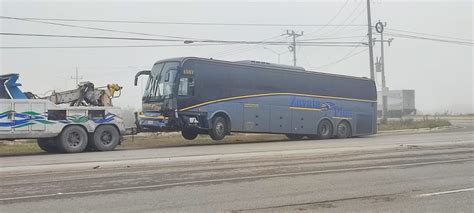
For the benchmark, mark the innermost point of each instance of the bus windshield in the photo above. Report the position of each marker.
(161, 81)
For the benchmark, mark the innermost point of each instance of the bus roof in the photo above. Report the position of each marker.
(267, 65)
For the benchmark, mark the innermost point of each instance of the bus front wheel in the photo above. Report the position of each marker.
(219, 128)
(189, 133)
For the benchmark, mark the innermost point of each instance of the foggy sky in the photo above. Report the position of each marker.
(441, 73)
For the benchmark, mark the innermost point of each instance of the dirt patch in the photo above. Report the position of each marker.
(144, 141)
(412, 124)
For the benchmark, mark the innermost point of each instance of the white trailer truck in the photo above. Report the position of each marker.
(70, 121)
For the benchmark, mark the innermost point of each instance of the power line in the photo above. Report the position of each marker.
(346, 56)
(146, 46)
(108, 46)
(239, 49)
(89, 37)
(184, 23)
(179, 40)
(470, 43)
(93, 28)
(331, 20)
(342, 59)
(352, 21)
(345, 20)
(427, 34)
(332, 38)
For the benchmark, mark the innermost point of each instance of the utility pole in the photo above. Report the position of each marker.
(77, 78)
(369, 33)
(379, 27)
(292, 47)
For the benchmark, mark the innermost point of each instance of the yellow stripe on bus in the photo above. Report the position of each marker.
(342, 118)
(272, 94)
(304, 108)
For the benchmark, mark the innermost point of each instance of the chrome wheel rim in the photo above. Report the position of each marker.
(324, 129)
(220, 128)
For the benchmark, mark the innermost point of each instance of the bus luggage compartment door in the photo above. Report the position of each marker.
(280, 119)
(256, 118)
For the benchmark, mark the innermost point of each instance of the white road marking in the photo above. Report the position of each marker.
(231, 179)
(445, 192)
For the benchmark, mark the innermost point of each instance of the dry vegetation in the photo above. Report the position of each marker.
(413, 124)
(149, 140)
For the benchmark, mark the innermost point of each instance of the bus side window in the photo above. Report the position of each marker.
(186, 87)
(167, 79)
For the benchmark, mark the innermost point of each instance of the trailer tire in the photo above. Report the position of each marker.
(219, 128)
(105, 138)
(47, 145)
(73, 139)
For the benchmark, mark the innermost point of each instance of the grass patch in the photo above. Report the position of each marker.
(412, 124)
(18, 147)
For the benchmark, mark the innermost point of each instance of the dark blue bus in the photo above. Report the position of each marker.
(206, 96)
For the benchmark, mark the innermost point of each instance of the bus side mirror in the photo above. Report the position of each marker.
(143, 72)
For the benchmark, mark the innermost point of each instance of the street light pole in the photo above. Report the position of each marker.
(273, 51)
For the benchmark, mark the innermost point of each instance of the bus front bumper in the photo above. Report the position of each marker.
(151, 123)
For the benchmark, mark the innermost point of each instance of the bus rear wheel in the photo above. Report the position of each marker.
(325, 129)
(48, 145)
(189, 133)
(219, 128)
(344, 130)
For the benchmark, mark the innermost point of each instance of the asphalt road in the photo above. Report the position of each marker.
(420, 171)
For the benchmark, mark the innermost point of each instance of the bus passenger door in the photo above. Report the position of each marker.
(256, 117)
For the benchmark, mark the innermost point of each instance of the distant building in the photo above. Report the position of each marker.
(400, 102)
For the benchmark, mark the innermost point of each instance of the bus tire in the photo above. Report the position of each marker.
(294, 137)
(325, 129)
(72, 139)
(47, 145)
(219, 128)
(189, 133)
(105, 138)
(344, 130)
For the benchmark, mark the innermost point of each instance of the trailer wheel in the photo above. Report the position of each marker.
(189, 133)
(294, 137)
(325, 129)
(72, 139)
(344, 130)
(219, 128)
(105, 138)
(47, 145)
